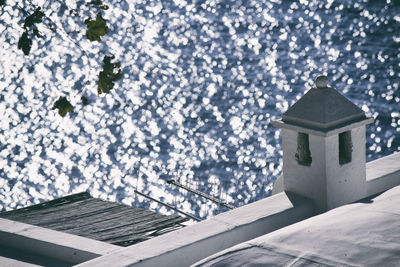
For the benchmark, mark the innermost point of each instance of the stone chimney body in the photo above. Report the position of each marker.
(323, 141)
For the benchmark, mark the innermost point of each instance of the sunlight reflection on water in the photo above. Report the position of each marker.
(202, 84)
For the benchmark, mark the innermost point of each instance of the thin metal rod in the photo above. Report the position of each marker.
(168, 206)
(213, 199)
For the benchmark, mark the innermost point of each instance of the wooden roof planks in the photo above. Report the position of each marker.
(81, 214)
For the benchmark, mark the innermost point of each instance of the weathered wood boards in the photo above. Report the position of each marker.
(80, 214)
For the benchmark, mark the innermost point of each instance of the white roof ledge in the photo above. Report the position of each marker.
(190, 244)
(383, 174)
(339, 129)
(42, 242)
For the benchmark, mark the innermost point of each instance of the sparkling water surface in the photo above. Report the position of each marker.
(203, 81)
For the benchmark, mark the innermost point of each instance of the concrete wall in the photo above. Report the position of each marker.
(345, 183)
(49, 245)
(383, 174)
(305, 180)
(326, 181)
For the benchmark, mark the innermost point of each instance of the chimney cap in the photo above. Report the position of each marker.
(323, 108)
(321, 82)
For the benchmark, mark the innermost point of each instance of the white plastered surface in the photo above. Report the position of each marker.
(361, 234)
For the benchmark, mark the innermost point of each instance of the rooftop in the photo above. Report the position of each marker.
(365, 233)
(323, 108)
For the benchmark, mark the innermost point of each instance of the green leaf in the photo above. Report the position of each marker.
(35, 17)
(25, 43)
(96, 28)
(63, 106)
(36, 32)
(98, 3)
(95, 2)
(111, 72)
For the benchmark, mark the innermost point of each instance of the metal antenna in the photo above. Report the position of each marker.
(168, 206)
(137, 176)
(197, 192)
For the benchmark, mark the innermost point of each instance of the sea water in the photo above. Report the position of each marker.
(202, 83)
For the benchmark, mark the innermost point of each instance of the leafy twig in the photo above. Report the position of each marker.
(96, 28)
(111, 72)
(63, 106)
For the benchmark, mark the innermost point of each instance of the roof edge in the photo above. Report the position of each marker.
(49, 243)
(325, 127)
(340, 128)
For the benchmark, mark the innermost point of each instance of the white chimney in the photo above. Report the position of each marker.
(323, 141)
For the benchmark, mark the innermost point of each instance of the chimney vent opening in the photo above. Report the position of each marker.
(345, 147)
(303, 154)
